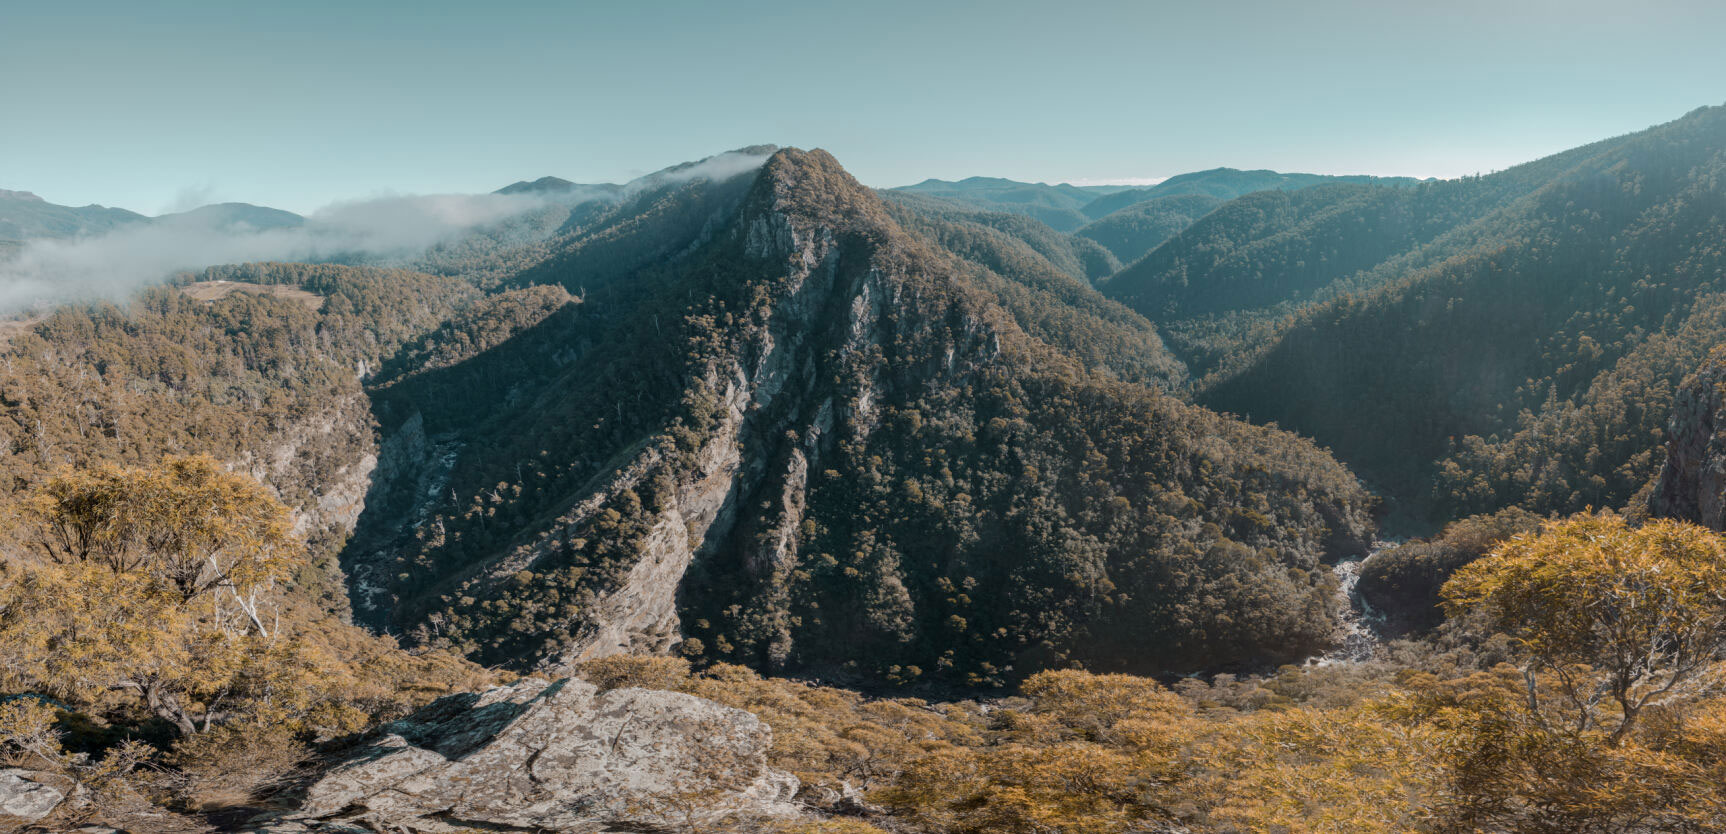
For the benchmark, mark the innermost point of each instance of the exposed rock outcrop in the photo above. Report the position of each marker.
(1692, 484)
(556, 756)
(29, 796)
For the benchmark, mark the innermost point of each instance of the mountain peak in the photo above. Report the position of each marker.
(812, 184)
(20, 195)
(543, 185)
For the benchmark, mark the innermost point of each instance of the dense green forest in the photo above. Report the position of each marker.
(1036, 275)
(1131, 232)
(1468, 345)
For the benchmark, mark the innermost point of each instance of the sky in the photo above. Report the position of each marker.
(166, 105)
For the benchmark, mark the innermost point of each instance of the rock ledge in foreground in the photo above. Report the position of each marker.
(555, 756)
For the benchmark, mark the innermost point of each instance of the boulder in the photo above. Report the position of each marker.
(557, 756)
(28, 795)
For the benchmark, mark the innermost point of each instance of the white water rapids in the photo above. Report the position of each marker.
(1356, 639)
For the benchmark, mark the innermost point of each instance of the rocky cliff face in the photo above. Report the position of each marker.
(744, 491)
(561, 756)
(1692, 484)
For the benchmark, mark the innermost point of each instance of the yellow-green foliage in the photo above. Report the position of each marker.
(1612, 722)
(1077, 752)
(162, 593)
(1619, 619)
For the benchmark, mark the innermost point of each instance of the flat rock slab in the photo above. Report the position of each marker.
(559, 756)
(28, 795)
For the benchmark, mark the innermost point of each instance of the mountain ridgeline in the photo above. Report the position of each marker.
(26, 217)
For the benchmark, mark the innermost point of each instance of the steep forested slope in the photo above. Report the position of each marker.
(268, 383)
(1225, 286)
(1055, 305)
(1526, 356)
(848, 449)
(1132, 231)
(1080, 257)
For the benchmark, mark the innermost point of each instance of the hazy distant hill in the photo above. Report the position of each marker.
(235, 217)
(557, 186)
(1067, 208)
(25, 216)
(1226, 184)
(1060, 206)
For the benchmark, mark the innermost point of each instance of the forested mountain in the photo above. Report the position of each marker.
(1130, 232)
(810, 378)
(891, 449)
(1512, 339)
(1079, 257)
(551, 185)
(1042, 278)
(1226, 184)
(235, 217)
(1059, 206)
(25, 216)
(1071, 208)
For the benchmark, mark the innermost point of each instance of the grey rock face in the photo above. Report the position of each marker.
(28, 795)
(558, 756)
(1692, 483)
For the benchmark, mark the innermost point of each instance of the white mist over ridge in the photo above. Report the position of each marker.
(114, 264)
(44, 272)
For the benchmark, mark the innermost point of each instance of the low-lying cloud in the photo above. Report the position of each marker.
(113, 265)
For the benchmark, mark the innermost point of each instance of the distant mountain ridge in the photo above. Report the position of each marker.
(1466, 345)
(556, 185)
(1060, 206)
(235, 217)
(24, 216)
(1227, 184)
(1067, 208)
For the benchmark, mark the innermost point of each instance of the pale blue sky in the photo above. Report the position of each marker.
(148, 105)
